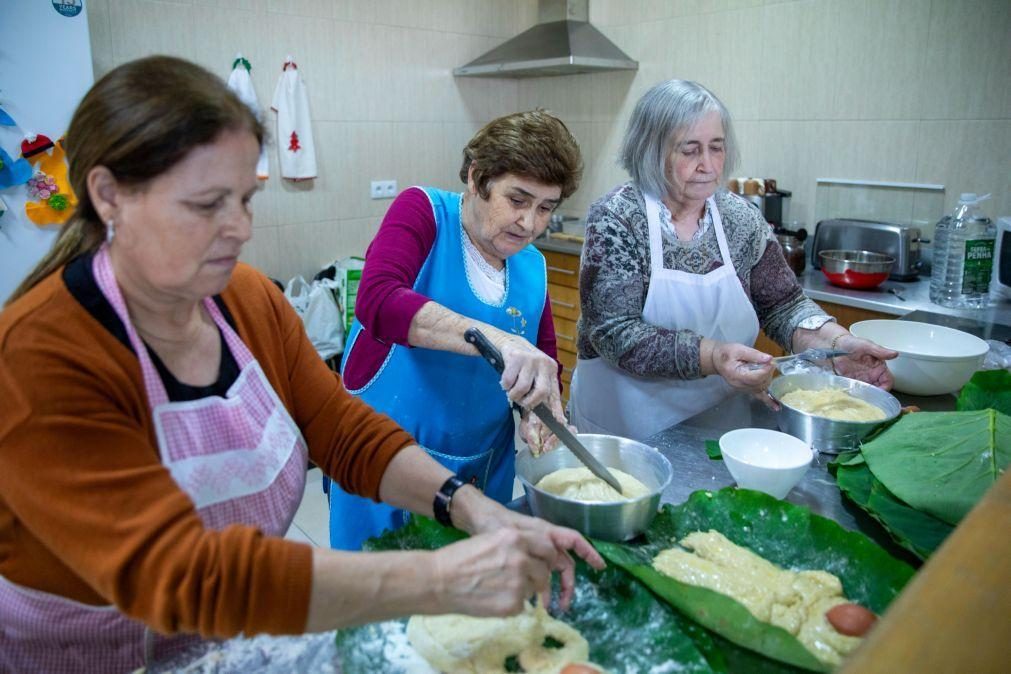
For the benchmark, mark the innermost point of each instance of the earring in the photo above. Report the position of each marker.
(110, 230)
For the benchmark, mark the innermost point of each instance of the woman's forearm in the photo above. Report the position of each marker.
(436, 327)
(352, 588)
(817, 339)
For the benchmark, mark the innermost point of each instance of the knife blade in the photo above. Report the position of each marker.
(808, 355)
(494, 357)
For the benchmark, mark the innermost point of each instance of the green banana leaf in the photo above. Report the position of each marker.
(627, 628)
(785, 534)
(986, 389)
(941, 463)
(917, 532)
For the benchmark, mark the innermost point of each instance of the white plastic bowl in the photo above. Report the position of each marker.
(932, 359)
(765, 460)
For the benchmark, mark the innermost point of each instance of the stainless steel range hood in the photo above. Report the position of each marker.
(562, 43)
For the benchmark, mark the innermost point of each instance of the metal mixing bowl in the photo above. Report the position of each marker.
(828, 435)
(619, 521)
(855, 268)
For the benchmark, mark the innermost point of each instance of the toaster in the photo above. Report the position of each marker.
(899, 241)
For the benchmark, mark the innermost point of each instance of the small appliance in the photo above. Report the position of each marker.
(901, 242)
(1000, 282)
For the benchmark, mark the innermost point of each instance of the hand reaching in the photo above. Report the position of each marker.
(866, 361)
(533, 431)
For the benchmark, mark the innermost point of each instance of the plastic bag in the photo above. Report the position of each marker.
(316, 304)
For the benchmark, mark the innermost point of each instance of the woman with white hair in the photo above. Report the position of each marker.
(678, 276)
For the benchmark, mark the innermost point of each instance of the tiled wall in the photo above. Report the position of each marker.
(384, 103)
(889, 90)
(894, 90)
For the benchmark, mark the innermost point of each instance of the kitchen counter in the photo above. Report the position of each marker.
(684, 447)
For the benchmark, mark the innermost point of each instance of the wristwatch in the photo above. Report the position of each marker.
(444, 500)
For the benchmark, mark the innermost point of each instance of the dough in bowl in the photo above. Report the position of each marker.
(579, 484)
(462, 644)
(834, 404)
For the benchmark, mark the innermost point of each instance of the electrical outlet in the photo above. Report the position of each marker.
(383, 189)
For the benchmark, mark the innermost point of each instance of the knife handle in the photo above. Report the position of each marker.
(485, 348)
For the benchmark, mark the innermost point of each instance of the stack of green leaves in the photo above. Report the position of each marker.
(785, 534)
(630, 630)
(920, 476)
(627, 628)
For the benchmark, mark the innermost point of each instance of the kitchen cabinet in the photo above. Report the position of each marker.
(844, 315)
(563, 289)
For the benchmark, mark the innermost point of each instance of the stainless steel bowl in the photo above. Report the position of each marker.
(619, 521)
(828, 435)
(863, 261)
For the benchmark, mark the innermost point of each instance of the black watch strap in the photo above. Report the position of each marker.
(444, 499)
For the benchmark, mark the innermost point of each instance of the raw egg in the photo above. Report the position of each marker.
(851, 619)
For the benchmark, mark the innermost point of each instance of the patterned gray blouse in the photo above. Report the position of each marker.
(614, 279)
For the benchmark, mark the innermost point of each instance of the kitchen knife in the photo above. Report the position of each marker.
(494, 358)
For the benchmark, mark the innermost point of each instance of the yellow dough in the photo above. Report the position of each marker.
(579, 484)
(794, 600)
(833, 404)
(462, 644)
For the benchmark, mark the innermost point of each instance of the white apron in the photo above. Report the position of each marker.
(240, 458)
(606, 399)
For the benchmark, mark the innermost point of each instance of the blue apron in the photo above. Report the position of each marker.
(452, 404)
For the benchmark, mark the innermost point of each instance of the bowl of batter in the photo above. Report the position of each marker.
(560, 489)
(829, 412)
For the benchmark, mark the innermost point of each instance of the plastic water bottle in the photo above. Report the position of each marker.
(963, 256)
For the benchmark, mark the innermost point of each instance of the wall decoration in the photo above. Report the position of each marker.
(241, 83)
(13, 171)
(51, 201)
(291, 103)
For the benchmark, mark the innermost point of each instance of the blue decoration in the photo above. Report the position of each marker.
(13, 172)
(5, 119)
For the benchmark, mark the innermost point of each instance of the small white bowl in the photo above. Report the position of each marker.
(765, 460)
(932, 359)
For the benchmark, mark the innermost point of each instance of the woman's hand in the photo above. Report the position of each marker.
(530, 375)
(866, 361)
(538, 539)
(533, 431)
(742, 367)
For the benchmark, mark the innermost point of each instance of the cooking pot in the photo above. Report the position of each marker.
(821, 433)
(859, 269)
(617, 521)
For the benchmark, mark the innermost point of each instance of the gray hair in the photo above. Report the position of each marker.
(662, 112)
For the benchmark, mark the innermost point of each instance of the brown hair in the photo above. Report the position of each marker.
(534, 145)
(138, 121)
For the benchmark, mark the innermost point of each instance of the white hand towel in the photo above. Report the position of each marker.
(294, 126)
(242, 84)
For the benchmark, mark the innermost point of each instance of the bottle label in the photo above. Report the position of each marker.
(978, 266)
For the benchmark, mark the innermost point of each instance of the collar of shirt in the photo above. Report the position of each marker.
(667, 225)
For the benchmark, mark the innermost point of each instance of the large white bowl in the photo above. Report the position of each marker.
(765, 460)
(932, 359)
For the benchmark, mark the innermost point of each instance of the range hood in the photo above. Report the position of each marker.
(562, 43)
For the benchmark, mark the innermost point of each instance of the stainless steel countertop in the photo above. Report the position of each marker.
(684, 447)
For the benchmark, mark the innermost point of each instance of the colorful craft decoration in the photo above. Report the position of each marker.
(52, 199)
(13, 171)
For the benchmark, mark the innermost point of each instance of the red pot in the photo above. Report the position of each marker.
(858, 269)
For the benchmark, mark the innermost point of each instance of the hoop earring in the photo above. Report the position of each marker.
(110, 231)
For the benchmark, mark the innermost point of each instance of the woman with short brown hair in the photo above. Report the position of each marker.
(443, 262)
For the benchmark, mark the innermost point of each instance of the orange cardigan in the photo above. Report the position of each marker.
(88, 512)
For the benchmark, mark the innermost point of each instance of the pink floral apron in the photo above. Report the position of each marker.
(240, 458)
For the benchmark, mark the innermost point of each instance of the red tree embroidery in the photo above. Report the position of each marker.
(293, 146)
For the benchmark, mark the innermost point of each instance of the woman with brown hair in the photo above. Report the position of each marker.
(161, 404)
(443, 262)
